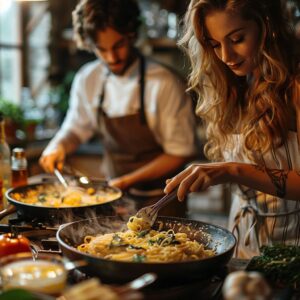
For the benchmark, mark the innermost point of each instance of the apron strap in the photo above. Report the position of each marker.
(296, 101)
(142, 90)
(244, 210)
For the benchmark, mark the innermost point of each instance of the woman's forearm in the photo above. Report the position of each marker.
(281, 183)
(199, 177)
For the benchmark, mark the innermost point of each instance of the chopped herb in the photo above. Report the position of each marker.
(138, 258)
(159, 240)
(135, 247)
(56, 194)
(42, 197)
(279, 263)
(117, 241)
(142, 233)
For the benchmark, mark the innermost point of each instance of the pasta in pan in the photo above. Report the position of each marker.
(54, 195)
(138, 244)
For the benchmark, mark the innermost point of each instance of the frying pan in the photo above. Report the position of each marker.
(71, 235)
(30, 211)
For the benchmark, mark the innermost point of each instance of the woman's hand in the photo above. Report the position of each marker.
(198, 177)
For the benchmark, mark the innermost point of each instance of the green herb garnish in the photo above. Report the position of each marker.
(279, 263)
(142, 233)
(138, 258)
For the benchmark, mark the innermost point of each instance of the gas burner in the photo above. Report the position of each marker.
(42, 238)
(33, 223)
(43, 241)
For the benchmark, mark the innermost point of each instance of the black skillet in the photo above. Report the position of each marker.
(71, 235)
(29, 211)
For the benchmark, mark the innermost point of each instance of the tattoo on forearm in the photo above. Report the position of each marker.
(260, 167)
(278, 178)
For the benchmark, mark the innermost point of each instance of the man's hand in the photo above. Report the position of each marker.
(120, 182)
(53, 158)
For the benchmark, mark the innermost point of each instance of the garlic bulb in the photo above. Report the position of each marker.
(242, 285)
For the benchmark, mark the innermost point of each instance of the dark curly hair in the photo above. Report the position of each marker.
(91, 16)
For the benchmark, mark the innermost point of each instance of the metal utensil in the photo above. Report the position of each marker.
(64, 182)
(60, 177)
(149, 213)
(137, 283)
(84, 179)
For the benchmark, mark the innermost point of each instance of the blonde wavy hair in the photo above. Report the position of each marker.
(260, 113)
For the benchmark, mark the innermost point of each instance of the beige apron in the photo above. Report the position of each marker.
(129, 144)
(259, 219)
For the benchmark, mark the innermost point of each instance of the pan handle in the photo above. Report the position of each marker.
(70, 265)
(7, 211)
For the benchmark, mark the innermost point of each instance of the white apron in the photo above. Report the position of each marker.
(259, 219)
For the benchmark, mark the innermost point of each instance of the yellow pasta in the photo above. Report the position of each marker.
(143, 244)
(137, 224)
(57, 196)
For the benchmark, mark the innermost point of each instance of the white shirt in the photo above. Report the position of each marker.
(168, 109)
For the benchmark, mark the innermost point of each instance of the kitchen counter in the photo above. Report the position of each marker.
(209, 288)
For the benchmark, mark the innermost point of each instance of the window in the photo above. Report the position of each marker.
(24, 55)
(10, 50)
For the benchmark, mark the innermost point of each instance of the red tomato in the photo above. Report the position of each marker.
(10, 244)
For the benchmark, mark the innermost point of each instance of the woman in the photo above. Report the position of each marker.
(245, 70)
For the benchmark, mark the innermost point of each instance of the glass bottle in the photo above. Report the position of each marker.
(19, 167)
(5, 169)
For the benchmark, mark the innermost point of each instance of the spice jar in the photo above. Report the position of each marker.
(19, 167)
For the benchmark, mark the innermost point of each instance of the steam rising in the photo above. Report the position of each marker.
(94, 226)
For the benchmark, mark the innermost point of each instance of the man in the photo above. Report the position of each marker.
(139, 107)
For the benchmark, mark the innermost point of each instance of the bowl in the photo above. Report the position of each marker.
(45, 273)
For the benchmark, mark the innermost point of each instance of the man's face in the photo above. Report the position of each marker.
(114, 49)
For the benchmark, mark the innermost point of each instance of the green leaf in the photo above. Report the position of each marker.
(15, 294)
(138, 258)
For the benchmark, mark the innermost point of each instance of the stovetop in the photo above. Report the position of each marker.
(42, 237)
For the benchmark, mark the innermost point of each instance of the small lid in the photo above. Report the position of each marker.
(18, 153)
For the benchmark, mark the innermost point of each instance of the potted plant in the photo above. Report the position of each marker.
(13, 116)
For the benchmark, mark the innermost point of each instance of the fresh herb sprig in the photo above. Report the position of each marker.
(279, 263)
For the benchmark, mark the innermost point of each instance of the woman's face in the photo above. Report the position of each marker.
(234, 40)
(114, 49)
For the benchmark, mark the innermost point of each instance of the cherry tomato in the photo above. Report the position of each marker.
(11, 244)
